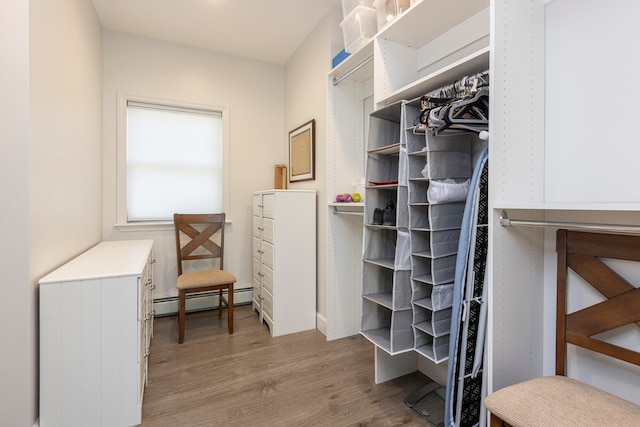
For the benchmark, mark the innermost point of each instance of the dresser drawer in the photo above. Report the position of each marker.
(267, 205)
(267, 230)
(267, 304)
(256, 269)
(267, 279)
(256, 291)
(257, 225)
(267, 255)
(257, 205)
(257, 248)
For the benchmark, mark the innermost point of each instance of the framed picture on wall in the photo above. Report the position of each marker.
(302, 156)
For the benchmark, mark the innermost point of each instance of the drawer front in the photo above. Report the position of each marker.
(267, 255)
(267, 304)
(256, 292)
(256, 269)
(257, 204)
(257, 248)
(267, 279)
(141, 294)
(267, 229)
(268, 205)
(257, 227)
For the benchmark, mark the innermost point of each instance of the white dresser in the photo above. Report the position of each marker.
(284, 259)
(96, 324)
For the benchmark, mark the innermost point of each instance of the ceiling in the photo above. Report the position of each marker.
(266, 30)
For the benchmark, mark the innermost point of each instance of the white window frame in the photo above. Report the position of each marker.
(121, 157)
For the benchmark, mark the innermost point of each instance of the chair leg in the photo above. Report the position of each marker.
(220, 303)
(181, 315)
(230, 308)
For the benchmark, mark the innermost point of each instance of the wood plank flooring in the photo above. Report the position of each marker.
(252, 379)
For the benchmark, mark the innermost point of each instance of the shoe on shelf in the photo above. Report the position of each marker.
(389, 214)
(378, 216)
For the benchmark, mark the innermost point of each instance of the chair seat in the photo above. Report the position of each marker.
(560, 401)
(204, 278)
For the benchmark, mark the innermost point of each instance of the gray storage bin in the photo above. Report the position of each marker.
(433, 348)
(434, 323)
(389, 330)
(380, 246)
(436, 217)
(432, 297)
(387, 287)
(436, 271)
(434, 244)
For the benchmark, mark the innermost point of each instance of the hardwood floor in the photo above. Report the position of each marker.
(252, 379)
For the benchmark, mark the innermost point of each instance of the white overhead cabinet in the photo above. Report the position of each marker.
(96, 324)
(284, 259)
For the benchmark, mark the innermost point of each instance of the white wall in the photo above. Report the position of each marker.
(17, 371)
(50, 168)
(305, 99)
(254, 93)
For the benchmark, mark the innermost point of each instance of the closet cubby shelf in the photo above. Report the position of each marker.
(387, 149)
(403, 30)
(473, 63)
(386, 263)
(428, 304)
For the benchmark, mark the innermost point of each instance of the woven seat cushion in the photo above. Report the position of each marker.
(560, 401)
(204, 278)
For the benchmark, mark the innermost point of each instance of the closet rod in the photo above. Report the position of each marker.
(337, 211)
(506, 222)
(336, 81)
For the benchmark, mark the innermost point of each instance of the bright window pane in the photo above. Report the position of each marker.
(174, 162)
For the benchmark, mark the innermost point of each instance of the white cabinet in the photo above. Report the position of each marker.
(284, 259)
(96, 324)
(551, 163)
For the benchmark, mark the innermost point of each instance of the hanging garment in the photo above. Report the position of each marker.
(465, 385)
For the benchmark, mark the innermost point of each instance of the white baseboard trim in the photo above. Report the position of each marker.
(321, 323)
(198, 302)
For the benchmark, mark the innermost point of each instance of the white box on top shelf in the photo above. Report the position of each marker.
(349, 5)
(358, 27)
(388, 10)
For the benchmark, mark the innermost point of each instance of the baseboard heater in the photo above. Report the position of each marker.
(168, 306)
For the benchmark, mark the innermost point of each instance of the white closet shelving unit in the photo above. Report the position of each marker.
(549, 157)
(429, 46)
(347, 117)
(550, 161)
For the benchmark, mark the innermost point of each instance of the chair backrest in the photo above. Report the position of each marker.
(199, 230)
(582, 252)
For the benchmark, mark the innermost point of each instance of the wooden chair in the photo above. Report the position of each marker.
(561, 401)
(200, 245)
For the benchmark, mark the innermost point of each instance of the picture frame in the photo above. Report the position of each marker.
(302, 156)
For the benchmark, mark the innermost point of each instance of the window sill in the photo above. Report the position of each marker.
(150, 226)
(144, 226)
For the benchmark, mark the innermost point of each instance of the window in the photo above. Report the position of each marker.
(171, 158)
